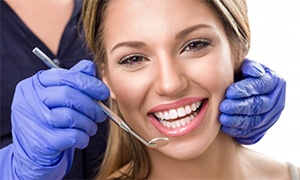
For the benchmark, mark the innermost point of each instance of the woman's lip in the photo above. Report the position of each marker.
(175, 105)
(183, 130)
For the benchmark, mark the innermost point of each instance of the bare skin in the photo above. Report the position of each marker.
(46, 19)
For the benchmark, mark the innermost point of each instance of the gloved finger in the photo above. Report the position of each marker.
(85, 66)
(234, 132)
(253, 86)
(62, 139)
(46, 138)
(247, 106)
(241, 122)
(68, 118)
(90, 85)
(26, 103)
(252, 132)
(252, 69)
(65, 96)
(238, 134)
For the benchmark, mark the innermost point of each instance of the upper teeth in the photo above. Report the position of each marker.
(179, 112)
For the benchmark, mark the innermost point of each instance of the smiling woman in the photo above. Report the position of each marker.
(168, 64)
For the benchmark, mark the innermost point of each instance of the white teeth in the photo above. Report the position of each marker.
(184, 115)
(166, 115)
(194, 107)
(178, 123)
(173, 125)
(160, 114)
(181, 112)
(188, 109)
(173, 114)
(182, 122)
(177, 113)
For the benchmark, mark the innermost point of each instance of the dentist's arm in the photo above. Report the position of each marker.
(53, 112)
(254, 104)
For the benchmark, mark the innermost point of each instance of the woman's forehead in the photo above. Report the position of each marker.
(131, 19)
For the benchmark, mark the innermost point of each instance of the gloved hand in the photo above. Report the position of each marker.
(253, 104)
(54, 112)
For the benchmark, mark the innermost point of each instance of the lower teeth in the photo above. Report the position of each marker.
(178, 123)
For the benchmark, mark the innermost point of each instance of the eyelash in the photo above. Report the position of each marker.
(196, 45)
(132, 60)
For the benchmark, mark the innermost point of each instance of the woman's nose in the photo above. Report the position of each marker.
(170, 78)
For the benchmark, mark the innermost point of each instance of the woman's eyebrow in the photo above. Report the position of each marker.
(189, 30)
(180, 35)
(132, 44)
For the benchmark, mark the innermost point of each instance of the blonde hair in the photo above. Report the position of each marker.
(122, 148)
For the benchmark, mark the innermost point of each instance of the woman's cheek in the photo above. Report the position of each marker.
(127, 90)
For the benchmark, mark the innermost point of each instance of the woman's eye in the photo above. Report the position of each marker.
(196, 45)
(132, 60)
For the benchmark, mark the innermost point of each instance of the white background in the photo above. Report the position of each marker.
(275, 26)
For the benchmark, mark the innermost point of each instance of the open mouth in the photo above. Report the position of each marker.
(182, 116)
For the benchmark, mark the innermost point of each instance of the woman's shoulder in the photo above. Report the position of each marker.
(266, 167)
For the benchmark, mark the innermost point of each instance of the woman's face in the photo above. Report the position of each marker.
(169, 64)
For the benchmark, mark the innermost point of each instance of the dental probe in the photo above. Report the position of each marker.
(153, 143)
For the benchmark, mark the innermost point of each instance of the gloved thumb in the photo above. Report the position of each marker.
(86, 67)
(252, 68)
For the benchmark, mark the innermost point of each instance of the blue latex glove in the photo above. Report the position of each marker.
(53, 112)
(253, 104)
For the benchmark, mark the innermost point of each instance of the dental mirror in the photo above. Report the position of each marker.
(153, 143)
